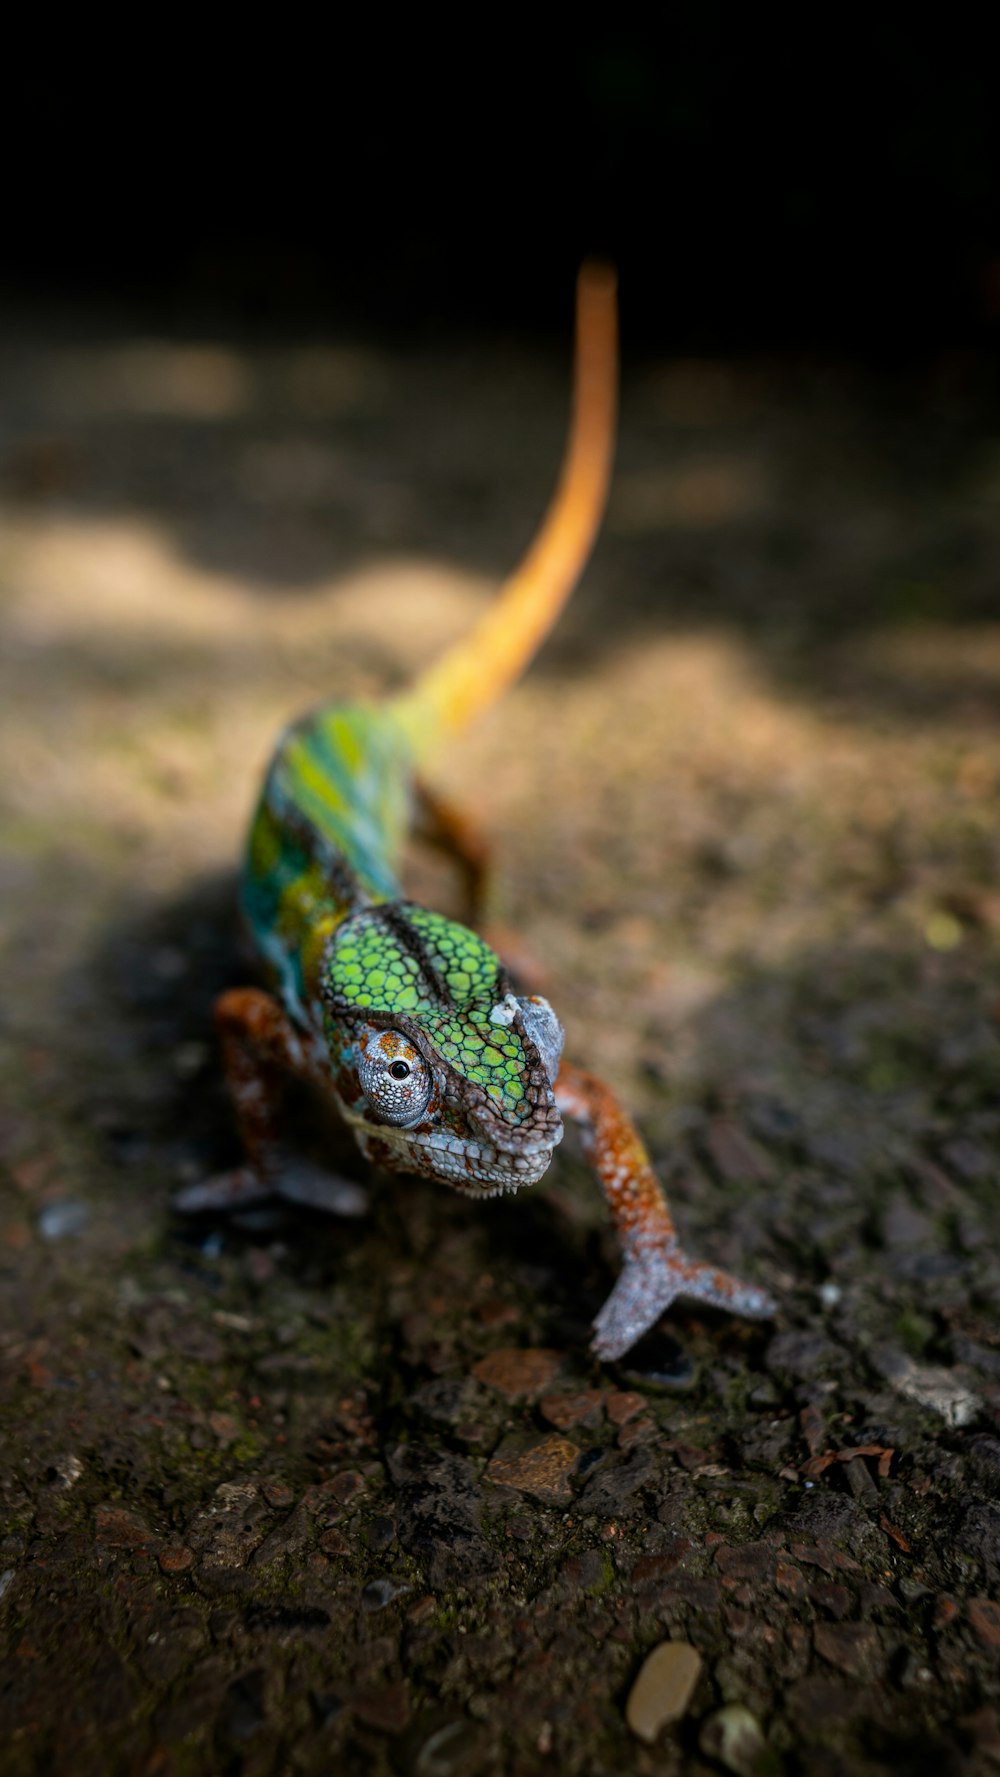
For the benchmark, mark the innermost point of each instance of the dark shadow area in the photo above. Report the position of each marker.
(756, 187)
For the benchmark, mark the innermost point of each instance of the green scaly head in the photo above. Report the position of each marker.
(439, 1067)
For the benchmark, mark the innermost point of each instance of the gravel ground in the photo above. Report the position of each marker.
(296, 1495)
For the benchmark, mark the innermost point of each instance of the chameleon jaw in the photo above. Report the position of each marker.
(475, 1167)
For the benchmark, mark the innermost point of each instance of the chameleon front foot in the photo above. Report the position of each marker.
(224, 1191)
(655, 1269)
(261, 1048)
(315, 1188)
(295, 1180)
(650, 1281)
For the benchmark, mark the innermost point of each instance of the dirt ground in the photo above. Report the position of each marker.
(297, 1495)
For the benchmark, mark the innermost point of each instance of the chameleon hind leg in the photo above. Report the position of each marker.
(451, 831)
(261, 1050)
(655, 1269)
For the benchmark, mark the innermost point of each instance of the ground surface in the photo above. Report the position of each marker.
(306, 1496)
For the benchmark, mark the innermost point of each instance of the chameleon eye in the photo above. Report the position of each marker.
(394, 1077)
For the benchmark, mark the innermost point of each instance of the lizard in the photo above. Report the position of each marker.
(407, 1020)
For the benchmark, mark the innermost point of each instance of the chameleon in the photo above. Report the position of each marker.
(407, 1020)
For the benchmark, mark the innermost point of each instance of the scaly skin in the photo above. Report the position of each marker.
(405, 1019)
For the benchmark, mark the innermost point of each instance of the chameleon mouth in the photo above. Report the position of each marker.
(501, 1181)
(477, 1166)
(472, 1164)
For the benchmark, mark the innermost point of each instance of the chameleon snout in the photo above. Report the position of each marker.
(520, 1146)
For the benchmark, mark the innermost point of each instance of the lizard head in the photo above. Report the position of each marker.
(440, 1069)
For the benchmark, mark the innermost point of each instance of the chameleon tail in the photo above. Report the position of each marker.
(474, 673)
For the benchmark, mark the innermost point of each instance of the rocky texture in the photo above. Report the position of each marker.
(293, 1495)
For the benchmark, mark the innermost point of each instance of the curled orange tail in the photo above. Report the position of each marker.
(474, 673)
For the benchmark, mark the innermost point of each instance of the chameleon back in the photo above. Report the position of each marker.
(325, 839)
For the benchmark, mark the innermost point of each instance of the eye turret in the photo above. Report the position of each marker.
(394, 1077)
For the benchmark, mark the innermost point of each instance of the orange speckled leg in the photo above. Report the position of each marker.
(655, 1269)
(260, 1049)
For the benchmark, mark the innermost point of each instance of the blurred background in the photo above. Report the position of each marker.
(813, 188)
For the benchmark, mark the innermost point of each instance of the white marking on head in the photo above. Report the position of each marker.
(505, 1012)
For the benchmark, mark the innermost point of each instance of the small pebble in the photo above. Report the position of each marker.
(566, 1410)
(378, 1593)
(930, 1385)
(59, 1221)
(734, 1737)
(638, 1431)
(664, 1688)
(176, 1559)
(67, 1470)
(278, 1494)
(517, 1372)
(622, 1405)
(452, 1750)
(542, 1470)
(117, 1528)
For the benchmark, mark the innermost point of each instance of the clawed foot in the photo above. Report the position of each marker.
(295, 1180)
(224, 1191)
(651, 1280)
